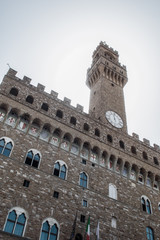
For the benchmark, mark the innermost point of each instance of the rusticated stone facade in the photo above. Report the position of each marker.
(121, 181)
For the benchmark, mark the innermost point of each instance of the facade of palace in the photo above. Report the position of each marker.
(60, 165)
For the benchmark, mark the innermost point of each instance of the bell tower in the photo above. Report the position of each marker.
(106, 79)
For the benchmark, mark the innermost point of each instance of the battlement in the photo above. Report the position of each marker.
(103, 50)
(67, 102)
(41, 89)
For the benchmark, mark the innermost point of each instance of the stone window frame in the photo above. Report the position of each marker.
(82, 180)
(51, 222)
(149, 233)
(6, 141)
(146, 204)
(14, 91)
(18, 211)
(61, 164)
(34, 152)
(30, 99)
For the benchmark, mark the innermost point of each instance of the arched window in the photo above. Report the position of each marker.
(109, 138)
(44, 107)
(146, 204)
(33, 158)
(86, 127)
(121, 144)
(60, 169)
(59, 114)
(6, 145)
(14, 91)
(112, 191)
(65, 144)
(15, 222)
(83, 180)
(29, 99)
(50, 230)
(150, 234)
(144, 154)
(155, 161)
(133, 150)
(114, 222)
(97, 132)
(73, 120)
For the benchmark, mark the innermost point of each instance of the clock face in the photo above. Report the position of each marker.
(114, 119)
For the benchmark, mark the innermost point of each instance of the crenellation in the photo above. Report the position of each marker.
(67, 101)
(54, 94)
(27, 80)
(79, 108)
(40, 87)
(11, 72)
(146, 141)
(135, 136)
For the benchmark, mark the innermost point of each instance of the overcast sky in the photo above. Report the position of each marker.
(52, 41)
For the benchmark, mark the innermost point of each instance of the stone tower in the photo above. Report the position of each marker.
(106, 79)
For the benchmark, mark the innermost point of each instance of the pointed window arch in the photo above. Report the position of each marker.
(83, 180)
(33, 158)
(146, 205)
(150, 233)
(6, 146)
(16, 221)
(60, 169)
(50, 230)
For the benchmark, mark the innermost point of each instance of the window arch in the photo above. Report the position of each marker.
(109, 138)
(133, 150)
(97, 132)
(144, 154)
(16, 221)
(50, 230)
(146, 204)
(150, 233)
(73, 120)
(60, 169)
(29, 99)
(59, 114)
(44, 107)
(83, 180)
(14, 91)
(112, 191)
(86, 127)
(155, 161)
(121, 144)
(6, 146)
(33, 158)
(114, 222)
